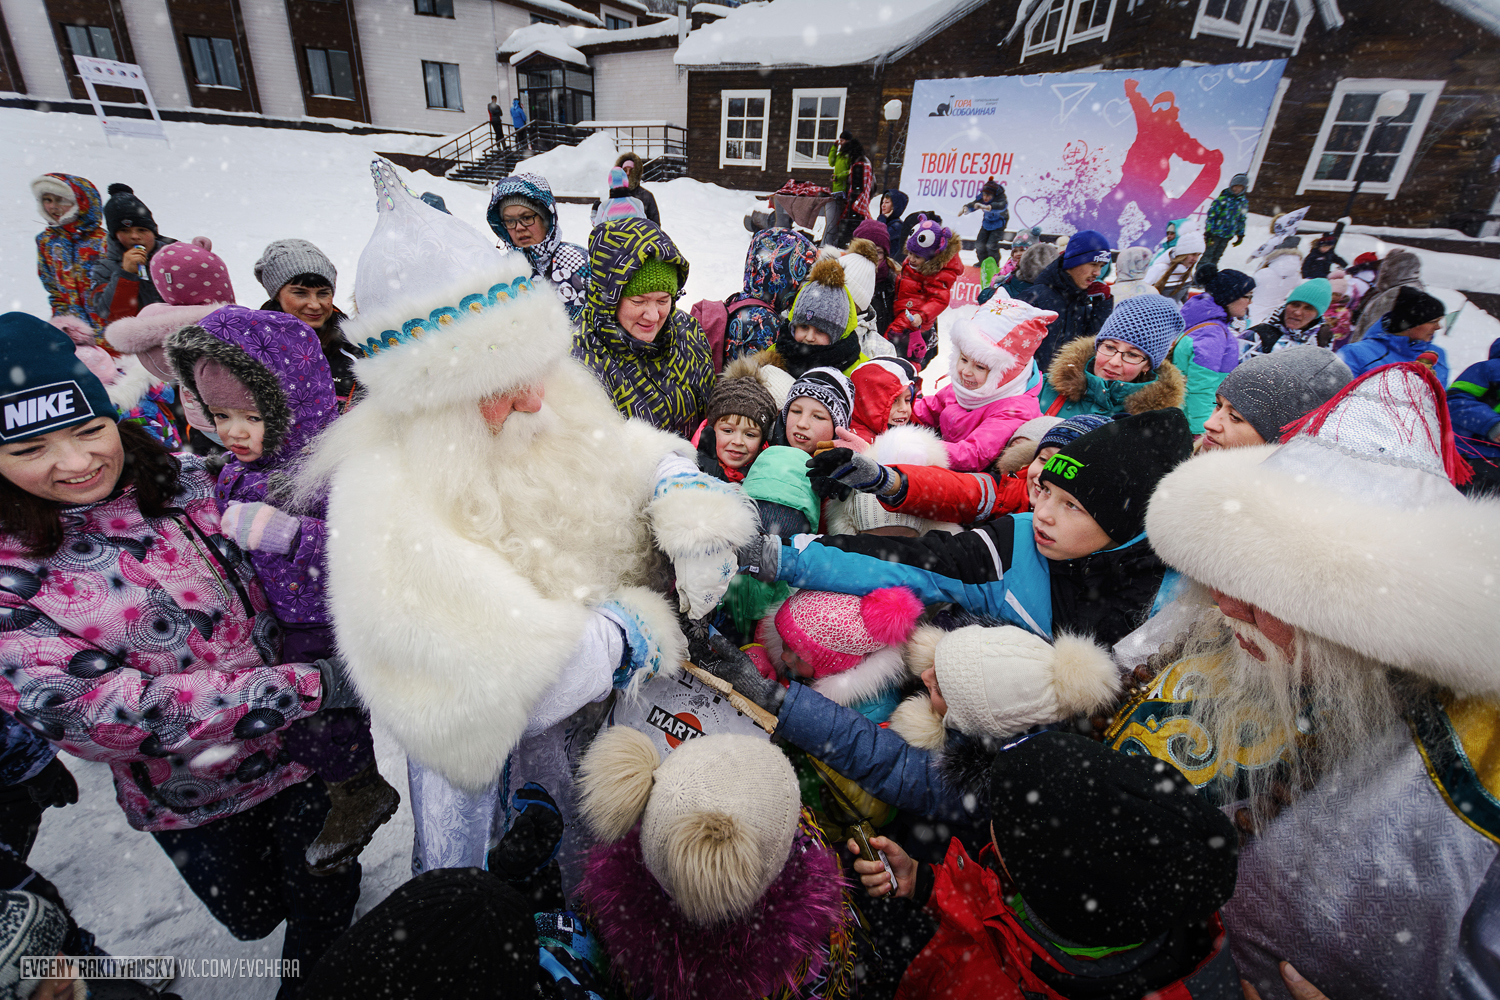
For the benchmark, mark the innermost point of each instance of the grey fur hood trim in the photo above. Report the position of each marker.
(188, 345)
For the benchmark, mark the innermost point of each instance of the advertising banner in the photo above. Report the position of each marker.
(1120, 151)
(118, 74)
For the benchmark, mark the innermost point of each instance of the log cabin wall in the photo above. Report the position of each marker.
(10, 70)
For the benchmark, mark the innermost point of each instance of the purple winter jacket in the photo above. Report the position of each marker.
(1214, 353)
(280, 360)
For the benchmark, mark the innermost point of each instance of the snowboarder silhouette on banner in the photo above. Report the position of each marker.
(1159, 137)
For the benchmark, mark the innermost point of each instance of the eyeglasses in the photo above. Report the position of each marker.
(1108, 350)
(521, 221)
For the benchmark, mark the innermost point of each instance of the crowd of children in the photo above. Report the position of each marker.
(908, 541)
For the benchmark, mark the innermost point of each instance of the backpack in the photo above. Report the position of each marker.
(713, 316)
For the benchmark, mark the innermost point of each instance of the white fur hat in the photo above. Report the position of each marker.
(1351, 530)
(1191, 241)
(443, 315)
(718, 816)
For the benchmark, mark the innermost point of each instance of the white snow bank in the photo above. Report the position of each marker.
(554, 48)
(815, 32)
(533, 35)
(581, 170)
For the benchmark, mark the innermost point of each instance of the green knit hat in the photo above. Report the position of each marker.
(652, 276)
(1316, 292)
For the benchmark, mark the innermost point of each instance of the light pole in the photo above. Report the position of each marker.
(1390, 104)
(892, 112)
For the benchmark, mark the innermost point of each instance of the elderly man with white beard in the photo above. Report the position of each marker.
(496, 530)
(1336, 691)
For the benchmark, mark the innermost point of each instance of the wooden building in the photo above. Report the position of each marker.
(762, 109)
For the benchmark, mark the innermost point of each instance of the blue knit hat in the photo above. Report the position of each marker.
(45, 386)
(1072, 429)
(1149, 323)
(1224, 286)
(1084, 247)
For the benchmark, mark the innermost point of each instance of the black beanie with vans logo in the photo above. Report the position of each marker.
(43, 384)
(1112, 471)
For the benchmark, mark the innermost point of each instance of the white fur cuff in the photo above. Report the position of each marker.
(697, 514)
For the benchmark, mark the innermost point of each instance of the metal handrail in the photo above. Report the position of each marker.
(478, 144)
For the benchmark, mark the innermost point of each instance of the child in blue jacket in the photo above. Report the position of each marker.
(1474, 407)
(1078, 568)
(992, 202)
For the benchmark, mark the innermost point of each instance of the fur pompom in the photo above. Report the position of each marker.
(1084, 675)
(864, 248)
(714, 859)
(921, 649)
(744, 366)
(615, 778)
(890, 613)
(915, 722)
(909, 444)
(827, 272)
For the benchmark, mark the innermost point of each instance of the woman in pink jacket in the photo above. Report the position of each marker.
(992, 382)
(132, 633)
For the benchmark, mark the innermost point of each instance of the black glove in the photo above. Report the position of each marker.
(760, 557)
(338, 690)
(532, 840)
(850, 470)
(726, 660)
(53, 785)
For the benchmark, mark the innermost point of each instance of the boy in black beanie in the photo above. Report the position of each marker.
(1101, 879)
(121, 280)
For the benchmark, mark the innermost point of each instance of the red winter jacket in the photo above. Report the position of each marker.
(940, 494)
(981, 949)
(925, 288)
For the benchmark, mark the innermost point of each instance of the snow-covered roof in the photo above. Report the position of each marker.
(567, 10)
(553, 39)
(819, 32)
(716, 9)
(1485, 12)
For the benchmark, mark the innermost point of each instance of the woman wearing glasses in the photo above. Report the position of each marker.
(523, 214)
(1122, 370)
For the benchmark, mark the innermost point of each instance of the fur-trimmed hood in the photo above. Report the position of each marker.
(937, 261)
(1018, 454)
(632, 173)
(1413, 588)
(1035, 260)
(1071, 376)
(85, 218)
(145, 334)
(278, 358)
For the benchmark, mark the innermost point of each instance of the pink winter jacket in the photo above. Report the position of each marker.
(146, 643)
(975, 438)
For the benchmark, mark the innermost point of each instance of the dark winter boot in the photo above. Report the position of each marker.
(356, 809)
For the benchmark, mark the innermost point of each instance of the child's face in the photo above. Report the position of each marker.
(736, 441)
(886, 205)
(929, 677)
(1016, 253)
(1238, 307)
(55, 206)
(137, 236)
(811, 335)
(242, 431)
(1060, 526)
(1237, 189)
(1034, 470)
(807, 423)
(1225, 428)
(796, 666)
(900, 411)
(971, 374)
(986, 197)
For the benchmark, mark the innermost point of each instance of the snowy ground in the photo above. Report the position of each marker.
(244, 187)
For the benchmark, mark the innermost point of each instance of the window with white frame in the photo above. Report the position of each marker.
(817, 120)
(441, 81)
(742, 127)
(1254, 22)
(1351, 136)
(1057, 24)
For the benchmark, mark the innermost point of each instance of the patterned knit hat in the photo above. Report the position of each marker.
(652, 276)
(833, 632)
(29, 926)
(828, 386)
(825, 303)
(1149, 323)
(1064, 433)
(928, 239)
(187, 275)
(1002, 334)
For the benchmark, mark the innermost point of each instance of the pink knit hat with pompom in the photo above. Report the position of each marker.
(833, 632)
(190, 275)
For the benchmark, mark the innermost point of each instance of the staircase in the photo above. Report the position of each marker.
(476, 157)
